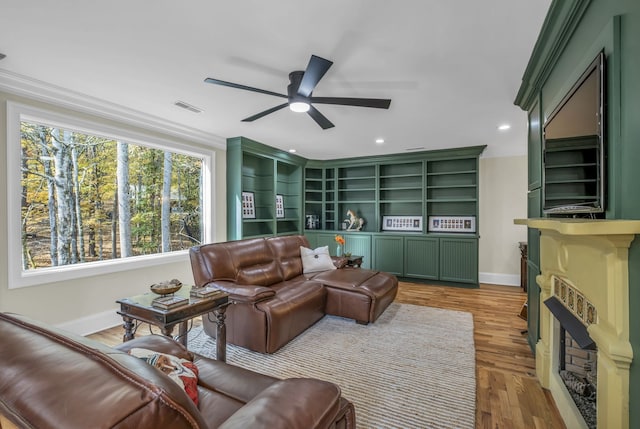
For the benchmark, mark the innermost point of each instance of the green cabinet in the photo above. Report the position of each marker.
(422, 257)
(459, 260)
(256, 174)
(417, 186)
(388, 254)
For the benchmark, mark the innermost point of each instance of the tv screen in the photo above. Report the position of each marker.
(573, 147)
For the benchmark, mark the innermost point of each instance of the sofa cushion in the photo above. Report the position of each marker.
(316, 260)
(286, 251)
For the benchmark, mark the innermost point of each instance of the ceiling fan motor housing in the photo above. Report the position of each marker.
(295, 77)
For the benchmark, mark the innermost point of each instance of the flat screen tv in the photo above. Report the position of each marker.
(574, 147)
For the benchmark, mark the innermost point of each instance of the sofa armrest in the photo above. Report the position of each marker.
(293, 403)
(243, 293)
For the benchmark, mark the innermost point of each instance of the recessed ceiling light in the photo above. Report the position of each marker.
(292, 151)
(504, 127)
(379, 141)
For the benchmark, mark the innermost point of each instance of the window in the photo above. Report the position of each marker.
(89, 198)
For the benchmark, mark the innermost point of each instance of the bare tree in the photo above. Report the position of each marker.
(124, 206)
(165, 213)
(63, 192)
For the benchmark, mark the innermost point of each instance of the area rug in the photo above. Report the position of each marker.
(413, 368)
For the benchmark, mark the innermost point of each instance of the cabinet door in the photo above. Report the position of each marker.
(421, 257)
(388, 254)
(358, 244)
(459, 260)
(533, 306)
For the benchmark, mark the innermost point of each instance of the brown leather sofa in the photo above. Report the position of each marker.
(51, 380)
(274, 300)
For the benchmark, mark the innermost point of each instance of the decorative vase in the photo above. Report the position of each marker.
(339, 250)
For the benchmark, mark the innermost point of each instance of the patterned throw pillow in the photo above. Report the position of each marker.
(182, 371)
(316, 259)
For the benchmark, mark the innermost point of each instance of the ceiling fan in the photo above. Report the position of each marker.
(299, 93)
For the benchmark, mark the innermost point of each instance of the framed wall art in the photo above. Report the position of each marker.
(248, 205)
(452, 224)
(402, 223)
(279, 206)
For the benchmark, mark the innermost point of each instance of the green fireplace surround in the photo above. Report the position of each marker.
(416, 185)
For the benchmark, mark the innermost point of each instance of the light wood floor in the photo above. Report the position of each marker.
(508, 394)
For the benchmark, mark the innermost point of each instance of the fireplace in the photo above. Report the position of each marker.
(584, 278)
(577, 355)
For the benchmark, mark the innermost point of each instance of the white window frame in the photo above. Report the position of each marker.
(17, 112)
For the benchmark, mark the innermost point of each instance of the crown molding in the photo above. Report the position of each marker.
(38, 90)
(558, 27)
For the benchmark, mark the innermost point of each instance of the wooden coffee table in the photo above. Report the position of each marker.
(139, 308)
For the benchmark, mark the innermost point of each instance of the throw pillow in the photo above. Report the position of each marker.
(316, 260)
(182, 371)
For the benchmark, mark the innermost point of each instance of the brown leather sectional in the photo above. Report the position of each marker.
(274, 300)
(50, 379)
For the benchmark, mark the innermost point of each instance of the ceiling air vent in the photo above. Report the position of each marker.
(414, 148)
(188, 106)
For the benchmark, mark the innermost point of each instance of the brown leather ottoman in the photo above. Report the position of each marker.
(358, 294)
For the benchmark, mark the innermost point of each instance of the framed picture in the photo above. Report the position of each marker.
(248, 205)
(402, 223)
(452, 224)
(279, 206)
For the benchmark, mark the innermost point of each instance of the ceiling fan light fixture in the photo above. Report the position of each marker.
(299, 106)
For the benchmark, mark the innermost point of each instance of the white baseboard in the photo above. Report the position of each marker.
(499, 279)
(92, 324)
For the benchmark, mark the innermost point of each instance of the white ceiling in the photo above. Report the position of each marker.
(451, 67)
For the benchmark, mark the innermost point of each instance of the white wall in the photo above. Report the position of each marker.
(503, 197)
(87, 304)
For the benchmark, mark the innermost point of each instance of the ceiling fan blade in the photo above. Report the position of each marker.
(378, 103)
(316, 68)
(246, 88)
(319, 118)
(265, 113)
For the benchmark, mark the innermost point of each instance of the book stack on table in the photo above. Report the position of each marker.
(205, 292)
(169, 302)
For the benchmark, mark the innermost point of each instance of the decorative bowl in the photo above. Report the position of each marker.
(166, 287)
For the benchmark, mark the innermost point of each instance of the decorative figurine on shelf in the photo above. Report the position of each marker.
(355, 223)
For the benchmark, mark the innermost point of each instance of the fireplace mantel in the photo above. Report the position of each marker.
(591, 255)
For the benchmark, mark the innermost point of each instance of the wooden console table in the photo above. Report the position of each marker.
(523, 265)
(139, 308)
